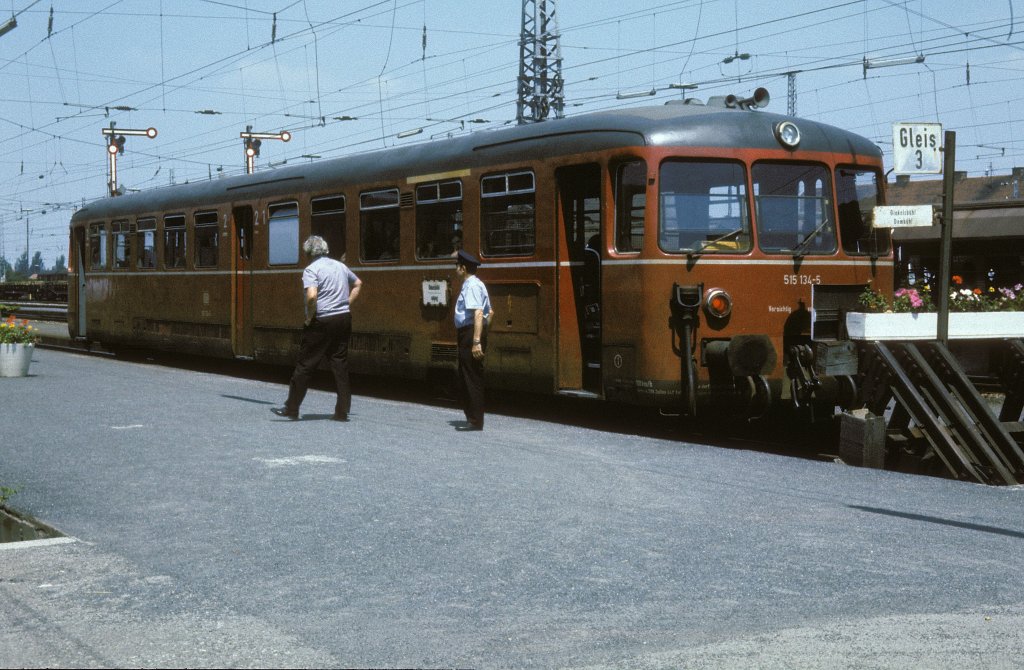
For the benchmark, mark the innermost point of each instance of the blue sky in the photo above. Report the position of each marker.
(348, 77)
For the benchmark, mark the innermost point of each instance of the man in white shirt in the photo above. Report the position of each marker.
(330, 290)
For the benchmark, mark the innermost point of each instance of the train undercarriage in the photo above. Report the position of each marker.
(901, 405)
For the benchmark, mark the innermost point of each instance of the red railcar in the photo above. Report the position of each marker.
(661, 255)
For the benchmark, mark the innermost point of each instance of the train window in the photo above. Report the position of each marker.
(856, 197)
(703, 207)
(98, 246)
(630, 204)
(438, 219)
(284, 233)
(793, 204)
(206, 239)
(122, 244)
(507, 222)
(378, 225)
(328, 221)
(174, 241)
(145, 242)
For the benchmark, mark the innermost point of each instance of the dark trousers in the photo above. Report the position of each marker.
(325, 337)
(470, 377)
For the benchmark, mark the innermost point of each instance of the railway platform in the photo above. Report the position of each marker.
(55, 334)
(201, 530)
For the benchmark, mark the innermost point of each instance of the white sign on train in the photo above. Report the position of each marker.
(435, 293)
(903, 216)
(917, 148)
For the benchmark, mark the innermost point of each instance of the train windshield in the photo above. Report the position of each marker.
(703, 207)
(793, 206)
(856, 197)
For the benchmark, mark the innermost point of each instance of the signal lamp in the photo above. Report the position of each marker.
(718, 303)
(285, 136)
(787, 134)
(116, 145)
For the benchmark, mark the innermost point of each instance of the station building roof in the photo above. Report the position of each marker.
(990, 207)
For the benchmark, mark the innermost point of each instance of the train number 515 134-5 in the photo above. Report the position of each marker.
(792, 280)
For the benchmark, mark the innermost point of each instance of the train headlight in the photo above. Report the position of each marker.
(787, 134)
(718, 303)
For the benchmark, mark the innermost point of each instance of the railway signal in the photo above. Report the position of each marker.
(252, 142)
(115, 146)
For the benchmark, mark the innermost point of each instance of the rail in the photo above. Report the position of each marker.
(39, 311)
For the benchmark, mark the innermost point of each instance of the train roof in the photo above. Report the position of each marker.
(673, 124)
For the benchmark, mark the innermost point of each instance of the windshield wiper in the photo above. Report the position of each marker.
(704, 244)
(799, 249)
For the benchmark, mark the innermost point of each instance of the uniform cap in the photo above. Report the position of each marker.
(466, 258)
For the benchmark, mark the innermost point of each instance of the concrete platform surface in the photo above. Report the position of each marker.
(207, 532)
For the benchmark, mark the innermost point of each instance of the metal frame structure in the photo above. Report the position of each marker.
(541, 89)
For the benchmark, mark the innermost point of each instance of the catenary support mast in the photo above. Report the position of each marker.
(540, 64)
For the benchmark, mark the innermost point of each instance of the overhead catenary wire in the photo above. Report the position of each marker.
(402, 101)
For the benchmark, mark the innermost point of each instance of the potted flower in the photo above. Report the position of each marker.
(17, 344)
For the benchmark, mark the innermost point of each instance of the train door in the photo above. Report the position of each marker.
(241, 282)
(80, 262)
(579, 278)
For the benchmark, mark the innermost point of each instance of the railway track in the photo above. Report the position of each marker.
(39, 311)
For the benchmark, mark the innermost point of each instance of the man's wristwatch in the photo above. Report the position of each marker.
(476, 341)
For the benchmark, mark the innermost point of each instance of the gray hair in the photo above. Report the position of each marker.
(315, 246)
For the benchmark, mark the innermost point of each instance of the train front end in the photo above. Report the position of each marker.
(758, 239)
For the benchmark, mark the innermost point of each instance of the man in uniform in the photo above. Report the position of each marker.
(473, 314)
(330, 290)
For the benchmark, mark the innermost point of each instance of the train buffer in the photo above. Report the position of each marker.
(934, 416)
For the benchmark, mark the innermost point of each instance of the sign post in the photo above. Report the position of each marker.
(946, 249)
(916, 150)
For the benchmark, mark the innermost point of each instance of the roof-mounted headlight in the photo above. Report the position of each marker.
(787, 134)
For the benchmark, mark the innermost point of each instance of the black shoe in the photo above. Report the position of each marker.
(339, 417)
(283, 411)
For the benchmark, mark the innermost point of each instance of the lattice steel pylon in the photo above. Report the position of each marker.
(791, 93)
(541, 90)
